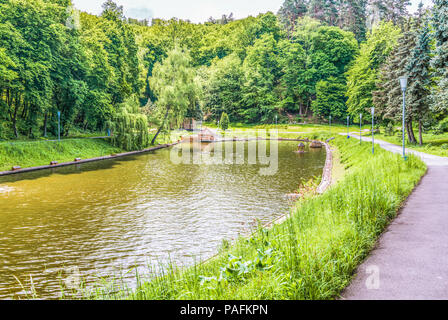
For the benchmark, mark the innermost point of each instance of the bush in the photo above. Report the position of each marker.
(442, 126)
(389, 130)
(224, 121)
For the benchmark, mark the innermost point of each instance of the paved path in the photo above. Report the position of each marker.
(410, 260)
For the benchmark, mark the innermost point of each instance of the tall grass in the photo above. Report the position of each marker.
(310, 256)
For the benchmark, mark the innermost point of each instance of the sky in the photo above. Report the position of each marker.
(193, 10)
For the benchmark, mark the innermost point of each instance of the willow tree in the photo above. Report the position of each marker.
(130, 126)
(174, 83)
(420, 74)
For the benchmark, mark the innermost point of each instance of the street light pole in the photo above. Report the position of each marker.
(373, 135)
(360, 127)
(330, 124)
(348, 129)
(404, 84)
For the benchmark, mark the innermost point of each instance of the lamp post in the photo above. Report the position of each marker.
(360, 127)
(348, 129)
(373, 135)
(276, 119)
(330, 124)
(404, 84)
(59, 125)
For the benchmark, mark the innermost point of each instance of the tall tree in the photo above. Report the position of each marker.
(330, 99)
(421, 80)
(223, 89)
(325, 11)
(130, 126)
(440, 61)
(112, 11)
(328, 50)
(293, 62)
(262, 75)
(353, 17)
(388, 96)
(174, 84)
(363, 72)
(290, 11)
(394, 11)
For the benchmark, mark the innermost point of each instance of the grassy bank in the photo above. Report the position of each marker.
(38, 153)
(310, 256)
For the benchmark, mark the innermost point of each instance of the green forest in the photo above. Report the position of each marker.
(310, 60)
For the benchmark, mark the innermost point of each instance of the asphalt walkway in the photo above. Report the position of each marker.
(410, 260)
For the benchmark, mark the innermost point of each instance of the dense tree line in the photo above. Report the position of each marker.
(52, 64)
(416, 48)
(315, 58)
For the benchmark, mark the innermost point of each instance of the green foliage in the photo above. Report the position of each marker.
(291, 10)
(330, 99)
(223, 87)
(224, 122)
(390, 130)
(350, 15)
(176, 88)
(363, 73)
(49, 64)
(261, 77)
(442, 126)
(418, 70)
(130, 127)
(440, 60)
(388, 97)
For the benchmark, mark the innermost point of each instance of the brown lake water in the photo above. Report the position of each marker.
(110, 216)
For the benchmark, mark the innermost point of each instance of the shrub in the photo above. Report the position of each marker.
(442, 126)
(389, 130)
(224, 121)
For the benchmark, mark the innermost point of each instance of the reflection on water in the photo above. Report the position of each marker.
(103, 217)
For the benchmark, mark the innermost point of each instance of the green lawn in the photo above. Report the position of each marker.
(38, 153)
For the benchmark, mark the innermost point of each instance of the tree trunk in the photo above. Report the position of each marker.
(14, 122)
(420, 132)
(410, 132)
(45, 124)
(161, 126)
(411, 128)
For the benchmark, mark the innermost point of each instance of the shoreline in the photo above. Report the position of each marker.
(65, 164)
(123, 154)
